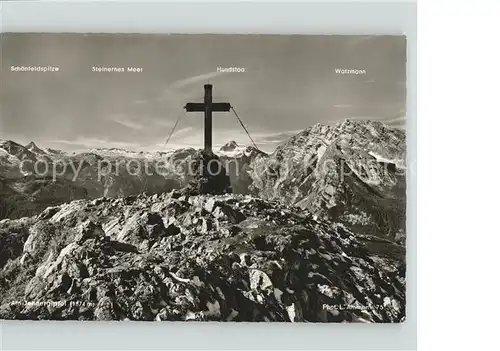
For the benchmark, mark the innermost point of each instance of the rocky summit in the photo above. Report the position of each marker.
(178, 257)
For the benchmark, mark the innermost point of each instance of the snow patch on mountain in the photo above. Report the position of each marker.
(119, 152)
(229, 146)
(34, 148)
(398, 162)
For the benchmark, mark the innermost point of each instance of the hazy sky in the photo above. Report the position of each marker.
(289, 83)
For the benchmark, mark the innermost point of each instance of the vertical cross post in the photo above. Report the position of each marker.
(208, 106)
(208, 117)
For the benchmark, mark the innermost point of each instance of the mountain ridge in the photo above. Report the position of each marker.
(366, 158)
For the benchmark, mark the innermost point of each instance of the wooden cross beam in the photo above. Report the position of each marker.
(208, 107)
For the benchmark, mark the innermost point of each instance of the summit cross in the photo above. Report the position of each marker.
(208, 107)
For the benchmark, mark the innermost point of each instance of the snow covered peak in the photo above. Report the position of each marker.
(310, 138)
(34, 148)
(12, 147)
(121, 152)
(229, 146)
(240, 151)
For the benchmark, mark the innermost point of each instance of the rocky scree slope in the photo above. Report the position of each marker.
(205, 257)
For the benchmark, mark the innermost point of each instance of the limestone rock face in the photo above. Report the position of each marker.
(238, 162)
(353, 173)
(176, 256)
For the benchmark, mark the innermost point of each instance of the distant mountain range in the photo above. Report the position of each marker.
(353, 171)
